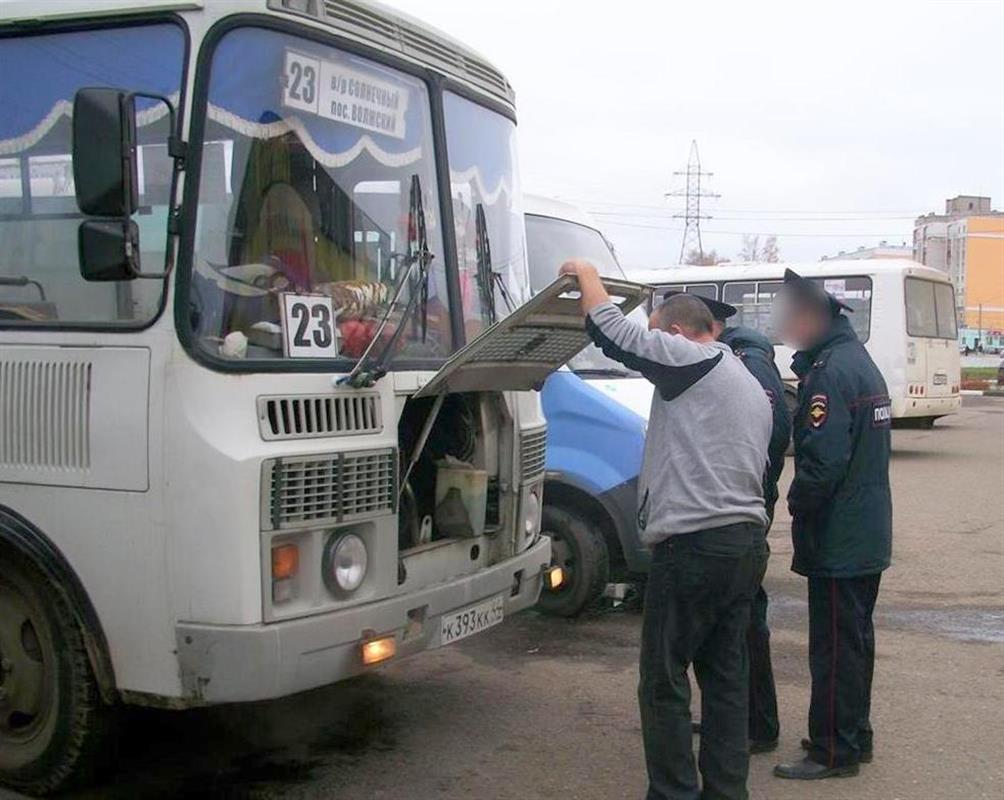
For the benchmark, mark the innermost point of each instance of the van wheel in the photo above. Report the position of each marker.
(54, 728)
(578, 547)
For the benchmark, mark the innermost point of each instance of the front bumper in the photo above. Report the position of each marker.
(236, 663)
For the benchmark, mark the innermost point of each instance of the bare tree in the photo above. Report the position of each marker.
(751, 247)
(770, 252)
(707, 259)
(752, 250)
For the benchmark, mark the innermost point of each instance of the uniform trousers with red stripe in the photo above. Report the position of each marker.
(841, 660)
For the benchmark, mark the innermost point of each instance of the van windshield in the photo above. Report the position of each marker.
(317, 193)
(549, 243)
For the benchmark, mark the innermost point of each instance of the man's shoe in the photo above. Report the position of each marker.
(762, 746)
(866, 755)
(809, 770)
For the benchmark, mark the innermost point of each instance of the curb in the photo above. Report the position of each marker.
(982, 392)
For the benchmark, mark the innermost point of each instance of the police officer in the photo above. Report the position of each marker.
(841, 510)
(757, 354)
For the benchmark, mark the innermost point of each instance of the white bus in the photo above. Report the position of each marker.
(252, 439)
(904, 313)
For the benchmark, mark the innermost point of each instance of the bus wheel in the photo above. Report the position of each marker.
(54, 729)
(578, 547)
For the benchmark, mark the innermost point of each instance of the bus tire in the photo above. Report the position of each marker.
(578, 546)
(55, 731)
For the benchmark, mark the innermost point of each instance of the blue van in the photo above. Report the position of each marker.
(594, 442)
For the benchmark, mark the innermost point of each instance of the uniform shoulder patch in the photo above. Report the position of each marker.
(882, 413)
(819, 410)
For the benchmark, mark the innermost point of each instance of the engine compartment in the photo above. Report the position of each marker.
(454, 489)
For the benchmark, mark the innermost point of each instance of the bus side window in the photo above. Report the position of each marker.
(764, 302)
(743, 297)
(709, 290)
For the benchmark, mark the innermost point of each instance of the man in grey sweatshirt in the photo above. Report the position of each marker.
(701, 508)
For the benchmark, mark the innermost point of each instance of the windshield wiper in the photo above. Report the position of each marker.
(488, 279)
(363, 374)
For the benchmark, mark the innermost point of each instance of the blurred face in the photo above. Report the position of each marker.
(799, 324)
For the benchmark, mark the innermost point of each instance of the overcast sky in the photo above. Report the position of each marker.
(867, 112)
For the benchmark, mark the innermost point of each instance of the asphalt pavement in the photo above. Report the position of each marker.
(546, 708)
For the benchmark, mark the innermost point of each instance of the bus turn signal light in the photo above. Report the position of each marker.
(377, 650)
(285, 561)
(554, 577)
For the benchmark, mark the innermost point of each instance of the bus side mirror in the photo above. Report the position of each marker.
(106, 182)
(108, 249)
(104, 152)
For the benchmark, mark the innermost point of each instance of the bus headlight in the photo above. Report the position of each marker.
(344, 563)
(531, 513)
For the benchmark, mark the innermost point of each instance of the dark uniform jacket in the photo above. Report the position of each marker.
(757, 354)
(840, 502)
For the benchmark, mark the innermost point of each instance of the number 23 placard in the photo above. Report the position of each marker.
(309, 329)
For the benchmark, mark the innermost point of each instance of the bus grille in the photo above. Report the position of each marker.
(45, 420)
(312, 416)
(534, 344)
(333, 488)
(532, 454)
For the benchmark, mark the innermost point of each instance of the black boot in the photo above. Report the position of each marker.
(809, 770)
(866, 755)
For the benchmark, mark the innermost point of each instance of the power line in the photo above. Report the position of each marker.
(692, 209)
(637, 215)
(779, 234)
(612, 204)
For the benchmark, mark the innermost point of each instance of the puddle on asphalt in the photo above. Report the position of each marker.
(966, 624)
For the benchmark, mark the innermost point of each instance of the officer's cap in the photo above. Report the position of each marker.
(813, 292)
(720, 311)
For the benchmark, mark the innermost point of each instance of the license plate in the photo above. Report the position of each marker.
(473, 619)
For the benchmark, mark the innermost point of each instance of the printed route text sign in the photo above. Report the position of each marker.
(344, 95)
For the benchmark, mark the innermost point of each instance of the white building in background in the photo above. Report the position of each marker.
(883, 250)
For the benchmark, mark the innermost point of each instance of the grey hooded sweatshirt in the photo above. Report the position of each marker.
(708, 430)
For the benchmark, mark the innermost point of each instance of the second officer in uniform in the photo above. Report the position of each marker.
(841, 529)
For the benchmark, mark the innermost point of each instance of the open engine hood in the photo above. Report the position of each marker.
(520, 351)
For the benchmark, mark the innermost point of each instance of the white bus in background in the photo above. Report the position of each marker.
(265, 420)
(904, 313)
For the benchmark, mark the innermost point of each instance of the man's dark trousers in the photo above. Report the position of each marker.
(697, 610)
(841, 660)
(763, 722)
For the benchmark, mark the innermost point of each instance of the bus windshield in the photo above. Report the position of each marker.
(317, 175)
(491, 253)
